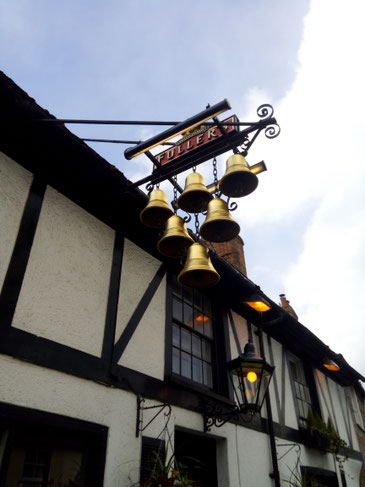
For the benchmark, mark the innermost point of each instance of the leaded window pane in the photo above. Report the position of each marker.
(207, 351)
(176, 335)
(186, 365)
(199, 321)
(196, 346)
(207, 374)
(208, 326)
(177, 309)
(197, 370)
(188, 315)
(185, 340)
(192, 334)
(176, 361)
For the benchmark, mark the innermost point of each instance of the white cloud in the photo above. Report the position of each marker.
(320, 157)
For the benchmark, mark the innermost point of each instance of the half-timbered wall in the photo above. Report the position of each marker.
(81, 302)
(65, 288)
(15, 182)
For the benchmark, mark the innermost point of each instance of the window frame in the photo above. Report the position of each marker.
(27, 422)
(307, 379)
(220, 350)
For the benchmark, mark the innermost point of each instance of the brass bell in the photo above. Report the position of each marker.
(198, 271)
(157, 210)
(238, 179)
(195, 197)
(176, 238)
(219, 226)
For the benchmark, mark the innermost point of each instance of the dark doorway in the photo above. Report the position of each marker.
(198, 454)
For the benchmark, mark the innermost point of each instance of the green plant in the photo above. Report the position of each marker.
(167, 473)
(298, 479)
(327, 432)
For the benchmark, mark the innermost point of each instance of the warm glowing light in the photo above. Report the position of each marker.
(330, 365)
(258, 305)
(201, 318)
(251, 376)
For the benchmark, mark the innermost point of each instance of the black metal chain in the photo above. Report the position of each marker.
(175, 193)
(197, 225)
(215, 174)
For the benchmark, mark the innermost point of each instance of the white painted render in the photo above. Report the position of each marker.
(242, 334)
(335, 403)
(146, 349)
(15, 182)
(292, 456)
(30, 386)
(65, 289)
(290, 418)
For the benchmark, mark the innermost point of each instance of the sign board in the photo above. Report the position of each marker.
(196, 142)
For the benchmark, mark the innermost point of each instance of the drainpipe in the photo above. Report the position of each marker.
(275, 475)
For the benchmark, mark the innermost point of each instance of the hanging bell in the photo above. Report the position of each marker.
(238, 179)
(195, 197)
(176, 239)
(198, 270)
(157, 210)
(219, 226)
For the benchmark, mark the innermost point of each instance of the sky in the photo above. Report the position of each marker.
(304, 226)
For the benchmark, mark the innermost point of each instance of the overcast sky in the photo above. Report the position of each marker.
(304, 227)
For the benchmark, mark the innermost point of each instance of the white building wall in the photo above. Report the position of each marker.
(334, 403)
(286, 402)
(146, 349)
(15, 182)
(47, 390)
(292, 456)
(65, 288)
(246, 451)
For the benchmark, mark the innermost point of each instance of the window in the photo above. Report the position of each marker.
(318, 477)
(302, 397)
(39, 449)
(192, 335)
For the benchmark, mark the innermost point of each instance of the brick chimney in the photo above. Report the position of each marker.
(285, 304)
(232, 251)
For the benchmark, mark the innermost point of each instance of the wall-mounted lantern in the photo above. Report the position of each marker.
(250, 375)
(330, 365)
(258, 303)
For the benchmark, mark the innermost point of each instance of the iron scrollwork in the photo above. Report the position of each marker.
(149, 188)
(141, 408)
(187, 218)
(232, 205)
(265, 111)
(217, 415)
(272, 131)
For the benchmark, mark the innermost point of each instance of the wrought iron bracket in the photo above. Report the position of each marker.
(140, 408)
(217, 415)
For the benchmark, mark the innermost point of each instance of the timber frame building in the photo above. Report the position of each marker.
(95, 331)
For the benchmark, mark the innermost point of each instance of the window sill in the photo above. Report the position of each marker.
(200, 389)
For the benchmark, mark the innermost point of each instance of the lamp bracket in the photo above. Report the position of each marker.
(141, 408)
(217, 415)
